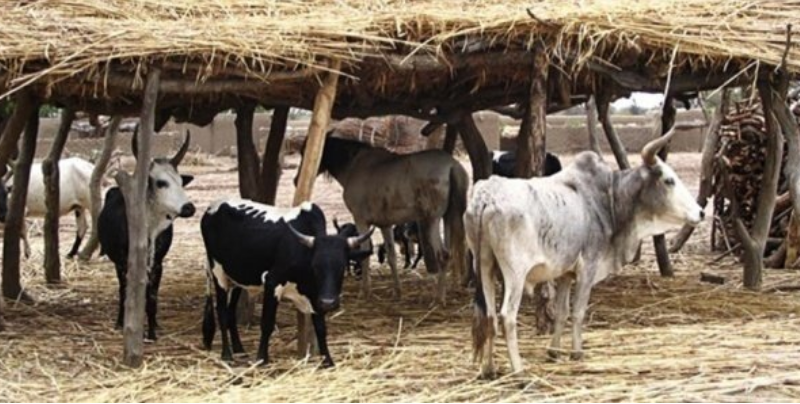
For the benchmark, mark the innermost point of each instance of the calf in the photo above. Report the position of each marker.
(166, 201)
(577, 226)
(74, 196)
(407, 236)
(505, 162)
(284, 252)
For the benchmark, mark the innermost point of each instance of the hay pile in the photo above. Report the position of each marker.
(48, 41)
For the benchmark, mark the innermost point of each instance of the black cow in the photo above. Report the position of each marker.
(350, 230)
(504, 162)
(407, 236)
(284, 251)
(166, 201)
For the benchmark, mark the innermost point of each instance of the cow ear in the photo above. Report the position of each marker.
(358, 255)
(187, 179)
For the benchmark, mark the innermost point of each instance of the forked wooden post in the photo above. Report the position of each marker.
(271, 161)
(12, 286)
(14, 126)
(96, 185)
(246, 155)
(51, 177)
(591, 126)
(476, 147)
(450, 138)
(134, 190)
(312, 155)
(660, 241)
(603, 100)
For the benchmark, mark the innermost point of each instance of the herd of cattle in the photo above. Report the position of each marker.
(574, 226)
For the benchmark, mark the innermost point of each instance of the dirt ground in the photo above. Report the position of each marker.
(647, 338)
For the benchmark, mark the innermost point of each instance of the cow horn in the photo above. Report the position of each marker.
(356, 241)
(336, 225)
(650, 149)
(178, 157)
(134, 142)
(307, 241)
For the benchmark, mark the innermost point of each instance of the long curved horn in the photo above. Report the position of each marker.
(134, 141)
(650, 149)
(307, 241)
(178, 157)
(355, 241)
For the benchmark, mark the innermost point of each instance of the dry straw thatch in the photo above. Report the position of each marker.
(47, 41)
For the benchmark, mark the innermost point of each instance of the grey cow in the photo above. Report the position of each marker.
(577, 226)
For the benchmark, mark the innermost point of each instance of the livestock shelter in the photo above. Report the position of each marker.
(438, 61)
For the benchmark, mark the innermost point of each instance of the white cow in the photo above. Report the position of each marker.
(579, 226)
(74, 196)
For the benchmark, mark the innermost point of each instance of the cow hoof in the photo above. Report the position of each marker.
(487, 374)
(327, 363)
(227, 358)
(118, 326)
(553, 355)
(576, 356)
(262, 362)
(240, 354)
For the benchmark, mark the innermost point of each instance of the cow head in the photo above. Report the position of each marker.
(664, 197)
(329, 258)
(165, 187)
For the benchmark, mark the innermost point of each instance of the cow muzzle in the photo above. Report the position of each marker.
(328, 305)
(187, 210)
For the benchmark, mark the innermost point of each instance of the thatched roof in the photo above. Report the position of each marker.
(399, 56)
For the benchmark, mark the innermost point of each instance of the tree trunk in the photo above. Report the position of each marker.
(134, 190)
(271, 160)
(51, 176)
(15, 218)
(706, 168)
(246, 154)
(660, 241)
(96, 186)
(591, 125)
(476, 148)
(315, 143)
(531, 139)
(791, 133)
(14, 125)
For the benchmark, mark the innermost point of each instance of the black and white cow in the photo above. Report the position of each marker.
(577, 226)
(407, 236)
(505, 162)
(283, 251)
(167, 200)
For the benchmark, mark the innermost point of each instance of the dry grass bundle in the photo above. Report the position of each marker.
(47, 41)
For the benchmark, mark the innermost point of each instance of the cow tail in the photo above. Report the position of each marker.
(454, 220)
(209, 325)
(482, 328)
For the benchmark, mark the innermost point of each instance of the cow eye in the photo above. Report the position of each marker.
(670, 181)
(161, 184)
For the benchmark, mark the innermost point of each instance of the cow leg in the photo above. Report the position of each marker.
(563, 285)
(434, 254)
(583, 289)
(490, 327)
(26, 245)
(80, 221)
(322, 339)
(268, 311)
(508, 312)
(238, 349)
(391, 253)
(366, 282)
(418, 249)
(150, 309)
(222, 319)
(123, 283)
(406, 251)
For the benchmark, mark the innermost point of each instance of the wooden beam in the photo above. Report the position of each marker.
(659, 241)
(51, 176)
(694, 82)
(312, 155)
(271, 160)
(12, 285)
(246, 154)
(591, 126)
(604, 98)
(15, 124)
(96, 185)
(476, 147)
(531, 139)
(134, 190)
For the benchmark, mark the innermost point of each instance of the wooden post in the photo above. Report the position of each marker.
(51, 176)
(660, 241)
(476, 147)
(24, 103)
(12, 286)
(312, 155)
(96, 185)
(246, 154)
(271, 160)
(603, 99)
(706, 168)
(134, 190)
(591, 125)
(450, 138)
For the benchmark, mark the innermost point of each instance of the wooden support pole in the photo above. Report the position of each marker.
(312, 155)
(12, 285)
(52, 192)
(450, 138)
(134, 190)
(706, 168)
(271, 160)
(96, 185)
(591, 125)
(246, 155)
(660, 241)
(476, 147)
(14, 125)
(531, 139)
(604, 99)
